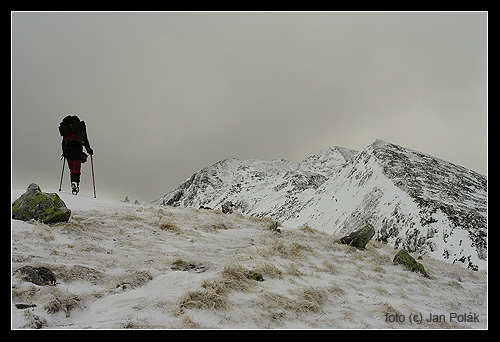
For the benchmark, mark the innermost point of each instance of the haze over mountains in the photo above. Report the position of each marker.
(414, 200)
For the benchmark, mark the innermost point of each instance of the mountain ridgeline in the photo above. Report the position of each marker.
(415, 201)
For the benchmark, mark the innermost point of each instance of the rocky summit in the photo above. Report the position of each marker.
(414, 201)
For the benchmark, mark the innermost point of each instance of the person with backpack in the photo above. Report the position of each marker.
(74, 138)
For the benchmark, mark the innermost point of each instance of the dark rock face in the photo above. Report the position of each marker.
(439, 186)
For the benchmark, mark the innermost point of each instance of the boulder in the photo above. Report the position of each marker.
(404, 258)
(40, 206)
(359, 238)
(37, 275)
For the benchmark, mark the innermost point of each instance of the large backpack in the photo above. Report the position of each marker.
(76, 127)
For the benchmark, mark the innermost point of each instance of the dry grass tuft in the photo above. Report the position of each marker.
(268, 269)
(215, 226)
(214, 292)
(207, 298)
(304, 300)
(165, 223)
(234, 277)
(309, 299)
(65, 302)
(278, 245)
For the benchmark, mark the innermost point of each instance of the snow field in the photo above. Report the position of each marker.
(122, 265)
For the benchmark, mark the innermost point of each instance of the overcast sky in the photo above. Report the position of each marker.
(166, 94)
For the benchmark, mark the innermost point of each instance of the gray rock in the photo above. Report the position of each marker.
(404, 258)
(40, 206)
(359, 238)
(37, 275)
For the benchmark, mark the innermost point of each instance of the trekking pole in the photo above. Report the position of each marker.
(62, 173)
(93, 179)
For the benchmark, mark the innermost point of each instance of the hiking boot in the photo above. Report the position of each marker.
(74, 188)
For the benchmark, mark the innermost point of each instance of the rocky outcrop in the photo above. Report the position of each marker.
(359, 238)
(405, 259)
(37, 205)
(37, 275)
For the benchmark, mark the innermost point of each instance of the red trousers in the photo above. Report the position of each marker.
(74, 169)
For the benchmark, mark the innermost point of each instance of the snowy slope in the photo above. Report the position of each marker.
(414, 200)
(123, 265)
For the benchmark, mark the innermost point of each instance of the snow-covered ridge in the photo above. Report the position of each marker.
(414, 200)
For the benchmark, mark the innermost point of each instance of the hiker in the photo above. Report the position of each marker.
(72, 147)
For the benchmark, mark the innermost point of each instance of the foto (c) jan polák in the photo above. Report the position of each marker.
(470, 317)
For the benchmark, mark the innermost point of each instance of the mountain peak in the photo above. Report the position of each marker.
(415, 201)
(328, 160)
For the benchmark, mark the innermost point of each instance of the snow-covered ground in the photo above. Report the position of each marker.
(127, 265)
